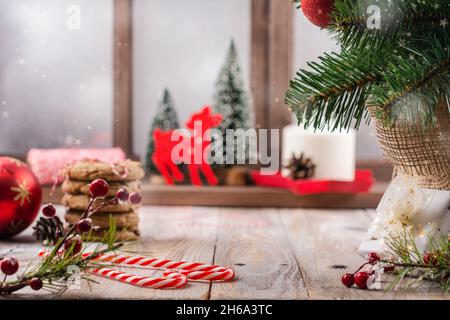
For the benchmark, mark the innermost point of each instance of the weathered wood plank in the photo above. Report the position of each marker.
(325, 244)
(255, 245)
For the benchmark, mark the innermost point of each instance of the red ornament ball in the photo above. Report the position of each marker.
(20, 197)
(318, 11)
(9, 266)
(99, 188)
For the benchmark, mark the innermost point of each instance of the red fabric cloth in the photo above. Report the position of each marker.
(47, 164)
(362, 183)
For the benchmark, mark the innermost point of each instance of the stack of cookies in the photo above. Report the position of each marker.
(125, 174)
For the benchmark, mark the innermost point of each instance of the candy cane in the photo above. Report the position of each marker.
(174, 281)
(192, 270)
(141, 261)
(225, 275)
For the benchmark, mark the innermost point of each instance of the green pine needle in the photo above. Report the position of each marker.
(411, 267)
(402, 68)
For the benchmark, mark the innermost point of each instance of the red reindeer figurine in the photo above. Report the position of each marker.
(162, 156)
(200, 142)
(194, 146)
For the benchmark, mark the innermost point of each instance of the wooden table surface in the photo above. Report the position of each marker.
(276, 253)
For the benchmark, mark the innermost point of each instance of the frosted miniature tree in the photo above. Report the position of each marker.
(165, 118)
(231, 99)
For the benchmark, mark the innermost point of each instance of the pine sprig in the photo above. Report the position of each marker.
(56, 271)
(415, 267)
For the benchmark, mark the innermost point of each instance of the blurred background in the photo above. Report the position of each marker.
(56, 80)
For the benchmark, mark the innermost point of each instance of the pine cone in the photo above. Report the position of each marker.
(300, 167)
(48, 230)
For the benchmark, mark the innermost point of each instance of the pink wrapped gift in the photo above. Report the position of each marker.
(47, 164)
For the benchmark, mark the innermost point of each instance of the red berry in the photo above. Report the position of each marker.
(348, 279)
(123, 195)
(361, 279)
(372, 257)
(75, 243)
(430, 258)
(84, 225)
(135, 198)
(99, 188)
(389, 269)
(36, 284)
(9, 266)
(49, 211)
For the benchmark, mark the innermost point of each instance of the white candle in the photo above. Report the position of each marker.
(333, 153)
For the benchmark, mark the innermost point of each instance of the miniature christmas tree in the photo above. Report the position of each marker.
(165, 119)
(393, 68)
(231, 100)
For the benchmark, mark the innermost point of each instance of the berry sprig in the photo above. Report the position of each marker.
(361, 278)
(69, 247)
(405, 259)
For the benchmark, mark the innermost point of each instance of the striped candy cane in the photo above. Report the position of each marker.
(224, 275)
(141, 261)
(192, 270)
(172, 281)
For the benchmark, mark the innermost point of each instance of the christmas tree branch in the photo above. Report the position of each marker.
(334, 92)
(358, 23)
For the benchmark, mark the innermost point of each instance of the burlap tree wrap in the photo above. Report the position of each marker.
(419, 151)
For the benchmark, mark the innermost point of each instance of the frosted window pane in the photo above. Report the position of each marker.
(182, 47)
(55, 83)
(309, 43)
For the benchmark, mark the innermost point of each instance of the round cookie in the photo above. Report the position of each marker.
(123, 220)
(81, 202)
(121, 235)
(89, 170)
(82, 187)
